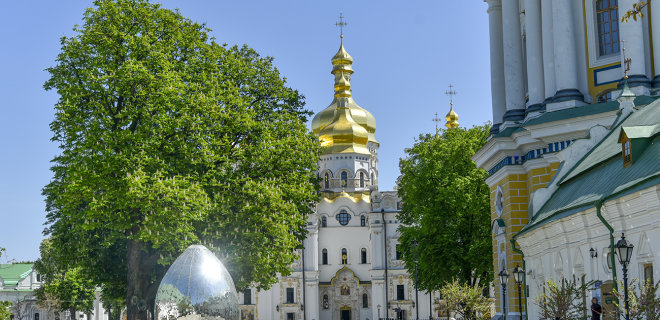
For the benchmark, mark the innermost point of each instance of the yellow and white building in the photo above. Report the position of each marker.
(562, 113)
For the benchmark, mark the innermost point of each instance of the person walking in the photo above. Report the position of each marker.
(596, 309)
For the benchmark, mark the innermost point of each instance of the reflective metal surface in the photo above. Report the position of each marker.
(197, 287)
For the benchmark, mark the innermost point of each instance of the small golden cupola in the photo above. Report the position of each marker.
(342, 70)
(452, 116)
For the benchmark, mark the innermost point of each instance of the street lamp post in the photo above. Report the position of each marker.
(519, 275)
(624, 250)
(414, 245)
(504, 276)
(378, 312)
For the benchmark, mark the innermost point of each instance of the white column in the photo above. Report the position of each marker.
(311, 244)
(655, 26)
(513, 62)
(534, 48)
(632, 33)
(496, 61)
(312, 308)
(548, 50)
(565, 52)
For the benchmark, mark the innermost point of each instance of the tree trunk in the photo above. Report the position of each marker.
(72, 311)
(136, 282)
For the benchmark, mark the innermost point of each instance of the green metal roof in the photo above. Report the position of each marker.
(570, 113)
(575, 112)
(601, 173)
(507, 132)
(11, 274)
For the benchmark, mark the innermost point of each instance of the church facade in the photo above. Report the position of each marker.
(349, 268)
(572, 158)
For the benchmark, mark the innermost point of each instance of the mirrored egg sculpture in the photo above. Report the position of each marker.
(197, 287)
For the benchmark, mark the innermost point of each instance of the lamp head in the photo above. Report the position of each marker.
(518, 274)
(624, 249)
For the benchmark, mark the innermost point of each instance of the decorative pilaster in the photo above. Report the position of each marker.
(548, 50)
(496, 62)
(632, 33)
(535, 87)
(565, 52)
(513, 62)
(655, 30)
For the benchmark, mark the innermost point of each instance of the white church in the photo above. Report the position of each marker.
(350, 267)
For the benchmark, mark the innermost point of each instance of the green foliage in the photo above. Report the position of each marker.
(169, 139)
(466, 300)
(643, 300)
(634, 12)
(65, 287)
(565, 301)
(446, 209)
(5, 309)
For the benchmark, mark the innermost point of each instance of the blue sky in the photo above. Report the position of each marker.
(406, 54)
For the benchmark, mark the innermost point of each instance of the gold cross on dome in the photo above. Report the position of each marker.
(451, 94)
(341, 24)
(626, 61)
(436, 120)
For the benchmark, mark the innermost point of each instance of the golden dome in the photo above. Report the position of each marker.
(452, 118)
(344, 134)
(342, 69)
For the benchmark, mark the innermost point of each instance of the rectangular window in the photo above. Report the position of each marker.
(290, 316)
(607, 19)
(648, 273)
(247, 296)
(400, 292)
(398, 252)
(289, 295)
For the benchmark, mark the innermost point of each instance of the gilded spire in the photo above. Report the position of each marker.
(342, 125)
(452, 116)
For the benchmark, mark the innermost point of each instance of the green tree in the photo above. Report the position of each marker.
(5, 310)
(634, 12)
(446, 209)
(466, 300)
(65, 286)
(643, 300)
(565, 300)
(169, 139)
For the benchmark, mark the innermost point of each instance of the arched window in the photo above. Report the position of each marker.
(344, 256)
(326, 304)
(343, 217)
(363, 255)
(361, 179)
(324, 222)
(607, 15)
(363, 221)
(324, 256)
(365, 300)
(344, 179)
(326, 181)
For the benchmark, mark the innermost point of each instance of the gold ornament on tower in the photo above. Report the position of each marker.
(452, 116)
(344, 127)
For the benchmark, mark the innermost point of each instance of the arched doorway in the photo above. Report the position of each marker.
(345, 313)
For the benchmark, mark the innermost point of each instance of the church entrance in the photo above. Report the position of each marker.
(345, 314)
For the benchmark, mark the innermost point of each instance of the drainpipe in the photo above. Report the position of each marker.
(387, 300)
(304, 284)
(599, 205)
(513, 247)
